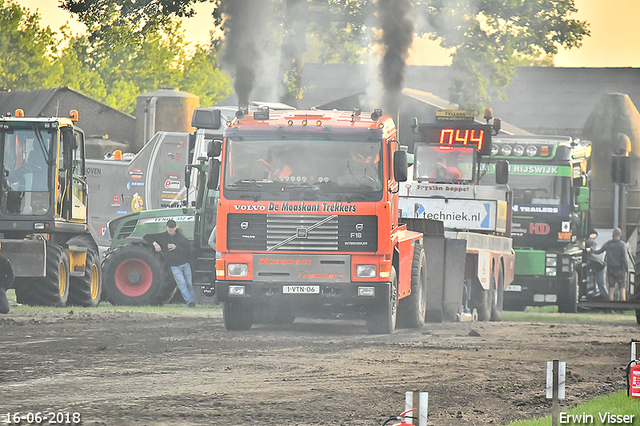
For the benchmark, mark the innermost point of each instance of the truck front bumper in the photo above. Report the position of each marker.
(310, 294)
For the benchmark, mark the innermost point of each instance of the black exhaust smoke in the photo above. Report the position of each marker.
(397, 37)
(244, 29)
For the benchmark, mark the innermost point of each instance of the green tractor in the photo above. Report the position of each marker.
(134, 273)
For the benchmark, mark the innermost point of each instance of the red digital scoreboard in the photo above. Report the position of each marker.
(471, 134)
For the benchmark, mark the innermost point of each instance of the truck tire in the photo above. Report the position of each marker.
(481, 300)
(568, 296)
(50, 290)
(638, 316)
(412, 310)
(237, 315)
(498, 296)
(135, 275)
(86, 290)
(381, 319)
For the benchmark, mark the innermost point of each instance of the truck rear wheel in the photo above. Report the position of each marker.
(381, 319)
(50, 290)
(413, 309)
(237, 315)
(498, 296)
(568, 295)
(135, 275)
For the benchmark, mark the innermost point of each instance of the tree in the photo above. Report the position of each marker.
(489, 37)
(26, 50)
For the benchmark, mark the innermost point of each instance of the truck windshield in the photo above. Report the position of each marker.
(554, 190)
(536, 189)
(25, 185)
(321, 169)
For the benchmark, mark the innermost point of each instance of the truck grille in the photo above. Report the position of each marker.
(273, 232)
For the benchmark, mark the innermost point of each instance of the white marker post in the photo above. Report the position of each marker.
(635, 350)
(419, 400)
(555, 386)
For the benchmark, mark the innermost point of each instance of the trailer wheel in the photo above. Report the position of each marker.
(135, 275)
(568, 296)
(381, 319)
(413, 309)
(498, 296)
(481, 300)
(237, 315)
(50, 290)
(638, 316)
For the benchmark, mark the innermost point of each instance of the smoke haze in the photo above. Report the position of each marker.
(244, 28)
(397, 37)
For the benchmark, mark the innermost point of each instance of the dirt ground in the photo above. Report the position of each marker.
(184, 368)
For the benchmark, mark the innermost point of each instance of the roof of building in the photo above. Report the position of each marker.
(33, 102)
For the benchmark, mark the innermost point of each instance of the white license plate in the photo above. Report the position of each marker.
(301, 289)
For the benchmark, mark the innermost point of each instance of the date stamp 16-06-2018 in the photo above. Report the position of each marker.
(41, 417)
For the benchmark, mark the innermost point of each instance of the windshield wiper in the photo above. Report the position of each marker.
(250, 182)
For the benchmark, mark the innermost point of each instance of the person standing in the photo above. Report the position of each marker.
(176, 250)
(617, 264)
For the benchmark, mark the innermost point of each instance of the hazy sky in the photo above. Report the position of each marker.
(614, 41)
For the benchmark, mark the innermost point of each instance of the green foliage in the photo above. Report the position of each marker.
(25, 50)
(113, 63)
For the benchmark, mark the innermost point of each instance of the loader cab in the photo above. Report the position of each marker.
(42, 163)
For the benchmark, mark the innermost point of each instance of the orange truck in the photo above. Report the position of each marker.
(307, 222)
(314, 219)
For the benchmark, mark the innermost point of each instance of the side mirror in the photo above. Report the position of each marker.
(502, 172)
(400, 166)
(214, 148)
(582, 198)
(206, 118)
(213, 174)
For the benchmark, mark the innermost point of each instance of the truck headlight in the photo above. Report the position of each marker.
(237, 270)
(366, 271)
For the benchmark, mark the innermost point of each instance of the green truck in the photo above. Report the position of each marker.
(550, 217)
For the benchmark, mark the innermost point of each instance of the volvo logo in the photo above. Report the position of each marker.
(359, 227)
(244, 225)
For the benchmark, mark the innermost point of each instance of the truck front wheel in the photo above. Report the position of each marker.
(568, 295)
(413, 309)
(381, 319)
(135, 275)
(237, 315)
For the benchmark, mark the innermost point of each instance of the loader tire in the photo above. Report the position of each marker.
(87, 290)
(412, 310)
(50, 290)
(135, 275)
